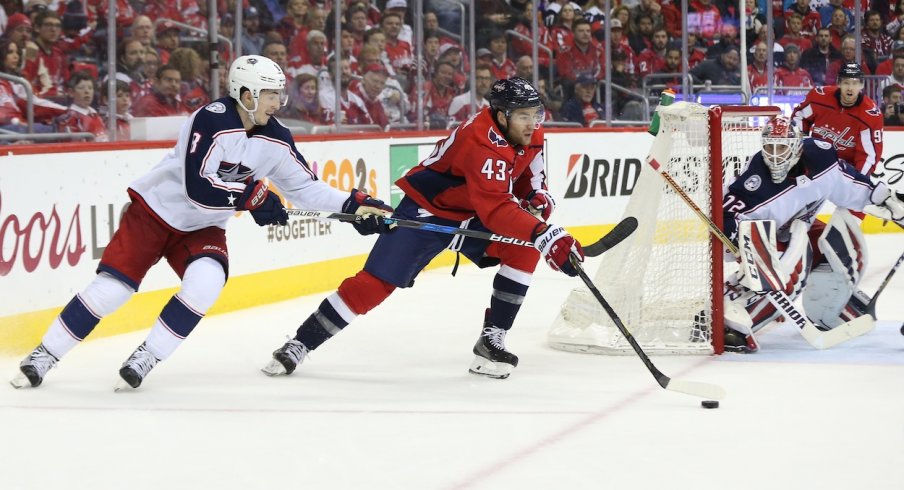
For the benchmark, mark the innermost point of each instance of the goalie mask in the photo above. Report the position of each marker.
(256, 73)
(781, 147)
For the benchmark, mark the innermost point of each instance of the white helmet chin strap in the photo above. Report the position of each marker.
(252, 110)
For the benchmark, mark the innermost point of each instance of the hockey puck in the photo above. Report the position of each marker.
(709, 404)
(902, 329)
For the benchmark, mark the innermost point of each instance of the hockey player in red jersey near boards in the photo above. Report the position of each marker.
(845, 117)
(487, 175)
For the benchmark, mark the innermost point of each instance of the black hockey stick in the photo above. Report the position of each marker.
(704, 390)
(609, 240)
(871, 306)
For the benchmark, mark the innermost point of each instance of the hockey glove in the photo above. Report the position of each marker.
(557, 246)
(887, 205)
(539, 203)
(370, 211)
(264, 206)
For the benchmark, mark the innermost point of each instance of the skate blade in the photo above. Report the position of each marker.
(274, 368)
(489, 369)
(19, 381)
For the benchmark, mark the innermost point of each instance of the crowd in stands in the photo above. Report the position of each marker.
(59, 47)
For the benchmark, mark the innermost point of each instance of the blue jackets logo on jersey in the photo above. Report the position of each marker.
(233, 172)
(216, 107)
(753, 183)
(496, 139)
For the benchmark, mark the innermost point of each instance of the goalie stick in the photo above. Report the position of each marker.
(609, 240)
(813, 335)
(695, 388)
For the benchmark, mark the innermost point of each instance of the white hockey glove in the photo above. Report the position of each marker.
(887, 205)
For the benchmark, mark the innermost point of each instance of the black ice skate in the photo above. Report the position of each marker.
(737, 342)
(33, 368)
(492, 360)
(286, 358)
(136, 367)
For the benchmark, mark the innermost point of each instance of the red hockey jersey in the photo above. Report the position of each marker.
(855, 131)
(475, 171)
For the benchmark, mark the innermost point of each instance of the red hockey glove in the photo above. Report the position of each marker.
(540, 203)
(557, 246)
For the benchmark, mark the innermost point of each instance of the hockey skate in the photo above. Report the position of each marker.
(492, 360)
(33, 368)
(286, 359)
(735, 341)
(136, 367)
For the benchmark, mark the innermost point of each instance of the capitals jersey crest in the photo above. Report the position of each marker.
(496, 138)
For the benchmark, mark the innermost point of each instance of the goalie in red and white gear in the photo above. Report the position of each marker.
(845, 117)
(773, 205)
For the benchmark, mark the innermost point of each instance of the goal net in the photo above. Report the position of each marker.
(665, 280)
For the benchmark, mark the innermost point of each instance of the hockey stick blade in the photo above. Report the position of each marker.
(621, 231)
(704, 390)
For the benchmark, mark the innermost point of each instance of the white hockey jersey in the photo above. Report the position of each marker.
(198, 184)
(818, 177)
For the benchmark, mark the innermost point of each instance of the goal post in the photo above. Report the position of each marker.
(665, 281)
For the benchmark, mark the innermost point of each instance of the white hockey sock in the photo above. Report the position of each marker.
(58, 340)
(161, 341)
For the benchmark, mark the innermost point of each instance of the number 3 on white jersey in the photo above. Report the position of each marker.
(493, 174)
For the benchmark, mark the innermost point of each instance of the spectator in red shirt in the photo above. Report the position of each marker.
(372, 84)
(130, 63)
(838, 27)
(304, 101)
(357, 25)
(142, 30)
(641, 37)
(581, 56)
(293, 22)
(885, 68)
(13, 98)
(848, 55)
(81, 117)
(49, 71)
(790, 74)
(705, 18)
(757, 73)
(164, 98)
(398, 51)
(562, 32)
(810, 19)
(875, 42)
(652, 59)
(503, 67)
(438, 95)
(167, 40)
(193, 90)
(793, 34)
(460, 107)
(123, 110)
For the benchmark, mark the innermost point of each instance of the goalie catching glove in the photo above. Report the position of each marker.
(557, 246)
(371, 212)
(887, 204)
(539, 203)
(264, 206)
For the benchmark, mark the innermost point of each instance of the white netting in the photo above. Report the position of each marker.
(659, 280)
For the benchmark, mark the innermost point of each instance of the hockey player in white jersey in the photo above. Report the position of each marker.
(179, 211)
(786, 184)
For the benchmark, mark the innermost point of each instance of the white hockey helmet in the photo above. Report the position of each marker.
(256, 73)
(782, 145)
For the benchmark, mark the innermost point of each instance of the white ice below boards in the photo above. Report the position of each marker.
(389, 404)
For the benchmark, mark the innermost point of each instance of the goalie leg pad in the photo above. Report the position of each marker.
(830, 297)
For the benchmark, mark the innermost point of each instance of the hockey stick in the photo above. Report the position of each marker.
(813, 335)
(704, 390)
(609, 240)
(871, 306)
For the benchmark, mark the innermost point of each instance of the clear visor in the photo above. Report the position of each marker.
(272, 95)
(533, 115)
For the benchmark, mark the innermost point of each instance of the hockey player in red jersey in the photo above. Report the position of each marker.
(179, 212)
(475, 179)
(845, 117)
